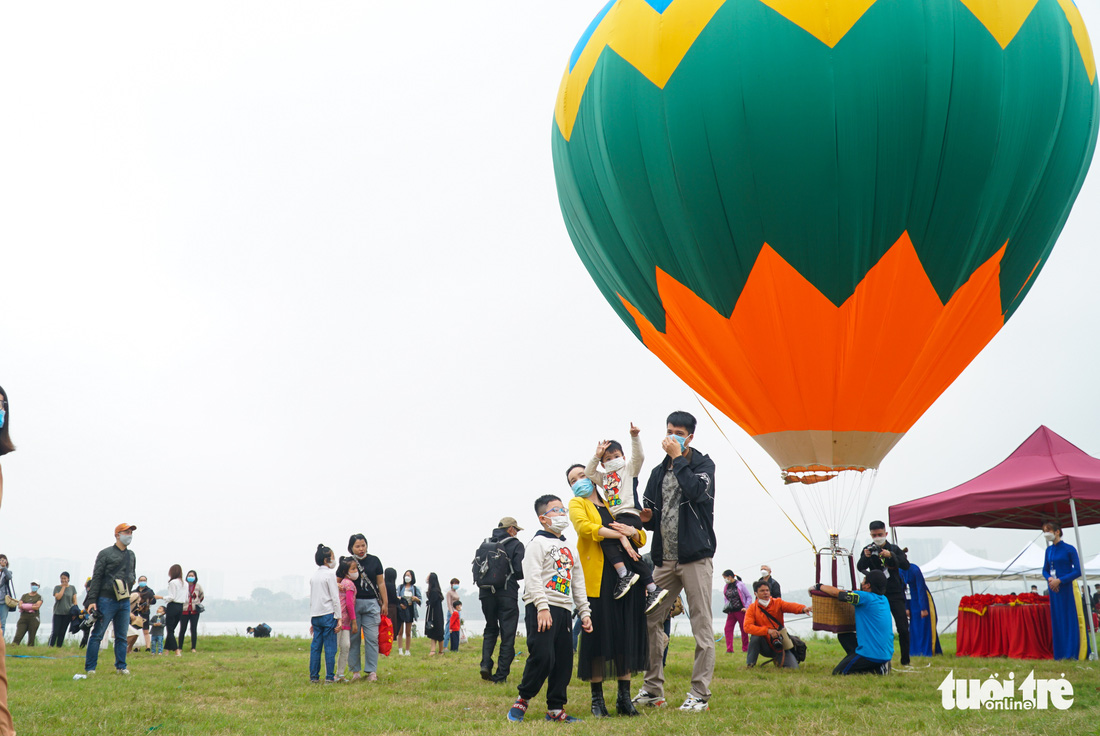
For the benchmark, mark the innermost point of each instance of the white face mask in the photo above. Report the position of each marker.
(354, 575)
(879, 541)
(763, 602)
(408, 579)
(1049, 536)
(125, 539)
(559, 524)
(614, 466)
(764, 574)
(331, 564)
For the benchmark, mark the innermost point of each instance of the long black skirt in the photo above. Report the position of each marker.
(618, 644)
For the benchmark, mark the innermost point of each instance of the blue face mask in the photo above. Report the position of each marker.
(190, 578)
(679, 439)
(3, 416)
(142, 585)
(454, 587)
(34, 588)
(583, 488)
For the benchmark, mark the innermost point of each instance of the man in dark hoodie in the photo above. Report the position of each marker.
(500, 606)
(679, 510)
(888, 558)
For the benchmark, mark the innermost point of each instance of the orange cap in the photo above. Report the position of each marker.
(124, 527)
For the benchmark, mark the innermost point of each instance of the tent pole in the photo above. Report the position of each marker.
(1084, 578)
(971, 585)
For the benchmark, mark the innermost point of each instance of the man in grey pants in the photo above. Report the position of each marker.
(370, 601)
(679, 510)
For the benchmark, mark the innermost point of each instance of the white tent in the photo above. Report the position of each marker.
(1028, 563)
(955, 563)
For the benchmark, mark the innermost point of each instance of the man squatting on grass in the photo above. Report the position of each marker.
(875, 646)
(553, 582)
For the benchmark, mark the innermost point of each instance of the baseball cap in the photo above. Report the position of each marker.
(508, 521)
(124, 527)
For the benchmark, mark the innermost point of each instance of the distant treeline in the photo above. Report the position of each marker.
(263, 605)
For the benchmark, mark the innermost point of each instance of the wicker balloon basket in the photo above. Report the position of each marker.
(829, 613)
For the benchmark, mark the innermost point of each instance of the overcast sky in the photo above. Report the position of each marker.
(273, 273)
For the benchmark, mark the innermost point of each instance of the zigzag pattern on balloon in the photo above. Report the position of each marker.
(654, 36)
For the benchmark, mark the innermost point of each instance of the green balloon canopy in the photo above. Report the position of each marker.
(818, 213)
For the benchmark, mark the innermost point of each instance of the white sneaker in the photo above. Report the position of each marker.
(89, 673)
(645, 698)
(122, 672)
(694, 704)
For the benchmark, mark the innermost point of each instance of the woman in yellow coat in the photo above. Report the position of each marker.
(617, 646)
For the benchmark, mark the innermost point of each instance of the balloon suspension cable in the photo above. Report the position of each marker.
(753, 474)
(837, 497)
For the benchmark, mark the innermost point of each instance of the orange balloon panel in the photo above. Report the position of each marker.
(814, 383)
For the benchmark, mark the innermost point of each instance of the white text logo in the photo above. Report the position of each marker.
(994, 694)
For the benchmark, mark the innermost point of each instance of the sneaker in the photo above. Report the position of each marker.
(89, 673)
(518, 710)
(624, 584)
(122, 672)
(694, 704)
(314, 682)
(652, 600)
(372, 677)
(561, 717)
(644, 698)
(487, 674)
(330, 682)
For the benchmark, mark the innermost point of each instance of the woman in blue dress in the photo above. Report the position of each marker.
(1061, 568)
(924, 641)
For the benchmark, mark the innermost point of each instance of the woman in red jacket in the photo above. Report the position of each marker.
(764, 622)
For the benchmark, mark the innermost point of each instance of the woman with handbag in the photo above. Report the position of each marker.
(191, 609)
(618, 644)
(737, 598)
(435, 627)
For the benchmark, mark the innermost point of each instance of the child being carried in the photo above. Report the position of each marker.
(618, 483)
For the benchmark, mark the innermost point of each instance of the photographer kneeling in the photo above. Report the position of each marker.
(764, 622)
(874, 634)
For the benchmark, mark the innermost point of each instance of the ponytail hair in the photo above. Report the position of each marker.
(322, 554)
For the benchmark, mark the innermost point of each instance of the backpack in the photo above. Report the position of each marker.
(492, 567)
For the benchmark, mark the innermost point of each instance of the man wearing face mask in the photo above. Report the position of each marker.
(109, 592)
(500, 606)
(773, 584)
(768, 636)
(888, 558)
(679, 510)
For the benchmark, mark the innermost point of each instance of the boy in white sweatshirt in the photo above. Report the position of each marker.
(553, 582)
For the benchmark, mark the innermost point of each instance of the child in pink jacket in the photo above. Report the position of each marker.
(346, 573)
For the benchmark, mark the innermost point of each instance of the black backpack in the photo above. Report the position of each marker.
(492, 566)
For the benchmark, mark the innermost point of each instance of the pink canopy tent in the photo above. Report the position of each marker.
(1045, 477)
(1042, 478)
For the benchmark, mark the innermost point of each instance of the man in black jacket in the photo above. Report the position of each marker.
(888, 558)
(109, 593)
(501, 607)
(679, 510)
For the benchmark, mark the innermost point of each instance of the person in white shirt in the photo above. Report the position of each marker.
(553, 583)
(324, 612)
(173, 605)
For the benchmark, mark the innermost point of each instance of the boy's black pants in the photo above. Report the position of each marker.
(549, 657)
(614, 553)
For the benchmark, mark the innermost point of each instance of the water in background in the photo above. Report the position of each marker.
(681, 626)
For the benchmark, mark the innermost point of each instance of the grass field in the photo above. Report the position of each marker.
(259, 686)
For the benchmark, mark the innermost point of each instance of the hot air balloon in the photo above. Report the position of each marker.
(817, 213)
